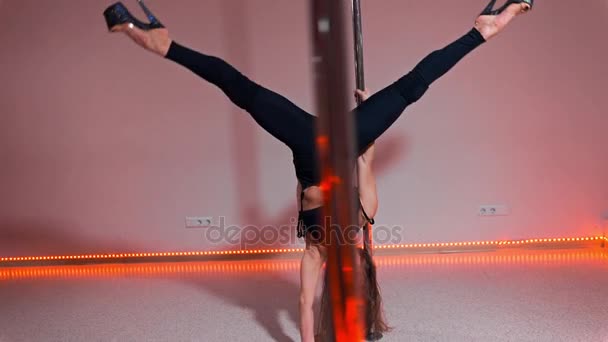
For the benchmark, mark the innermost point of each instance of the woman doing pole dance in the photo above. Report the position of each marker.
(296, 128)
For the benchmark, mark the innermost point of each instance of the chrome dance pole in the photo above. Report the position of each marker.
(336, 152)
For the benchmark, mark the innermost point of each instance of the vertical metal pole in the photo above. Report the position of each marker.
(358, 39)
(360, 80)
(336, 152)
(360, 83)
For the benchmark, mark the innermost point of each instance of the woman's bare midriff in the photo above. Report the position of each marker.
(313, 199)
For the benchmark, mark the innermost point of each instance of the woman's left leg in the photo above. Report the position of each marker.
(380, 111)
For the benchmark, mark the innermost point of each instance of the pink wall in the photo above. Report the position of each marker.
(106, 148)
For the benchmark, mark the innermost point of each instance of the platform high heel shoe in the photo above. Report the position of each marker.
(118, 14)
(489, 10)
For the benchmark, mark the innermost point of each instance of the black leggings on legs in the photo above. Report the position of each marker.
(295, 127)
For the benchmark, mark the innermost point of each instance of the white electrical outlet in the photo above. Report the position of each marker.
(494, 210)
(198, 222)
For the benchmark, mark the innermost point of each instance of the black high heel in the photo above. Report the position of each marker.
(490, 11)
(118, 14)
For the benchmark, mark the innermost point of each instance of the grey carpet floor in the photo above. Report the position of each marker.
(530, 296)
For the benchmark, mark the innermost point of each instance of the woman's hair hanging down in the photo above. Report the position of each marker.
(375, 321)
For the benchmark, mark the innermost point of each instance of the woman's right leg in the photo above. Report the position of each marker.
(273, 112)
(276, 114)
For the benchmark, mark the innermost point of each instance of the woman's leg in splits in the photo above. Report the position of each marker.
(380, 111)
(273, 112)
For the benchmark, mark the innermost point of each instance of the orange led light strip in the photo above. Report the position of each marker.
(151, 255)
(299, 250)
(494, 243)
(189, 270)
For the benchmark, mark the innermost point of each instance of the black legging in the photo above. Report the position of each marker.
(295, 127)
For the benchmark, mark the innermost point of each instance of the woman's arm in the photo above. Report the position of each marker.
(367, 182)
(365, 175)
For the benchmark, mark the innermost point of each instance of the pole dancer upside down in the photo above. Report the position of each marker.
(296, 129)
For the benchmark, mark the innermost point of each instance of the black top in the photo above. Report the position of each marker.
(310, 221)
(307, 170)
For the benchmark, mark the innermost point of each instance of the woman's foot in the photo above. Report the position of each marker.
(151, 35)
(156, 40)
(491, 25)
